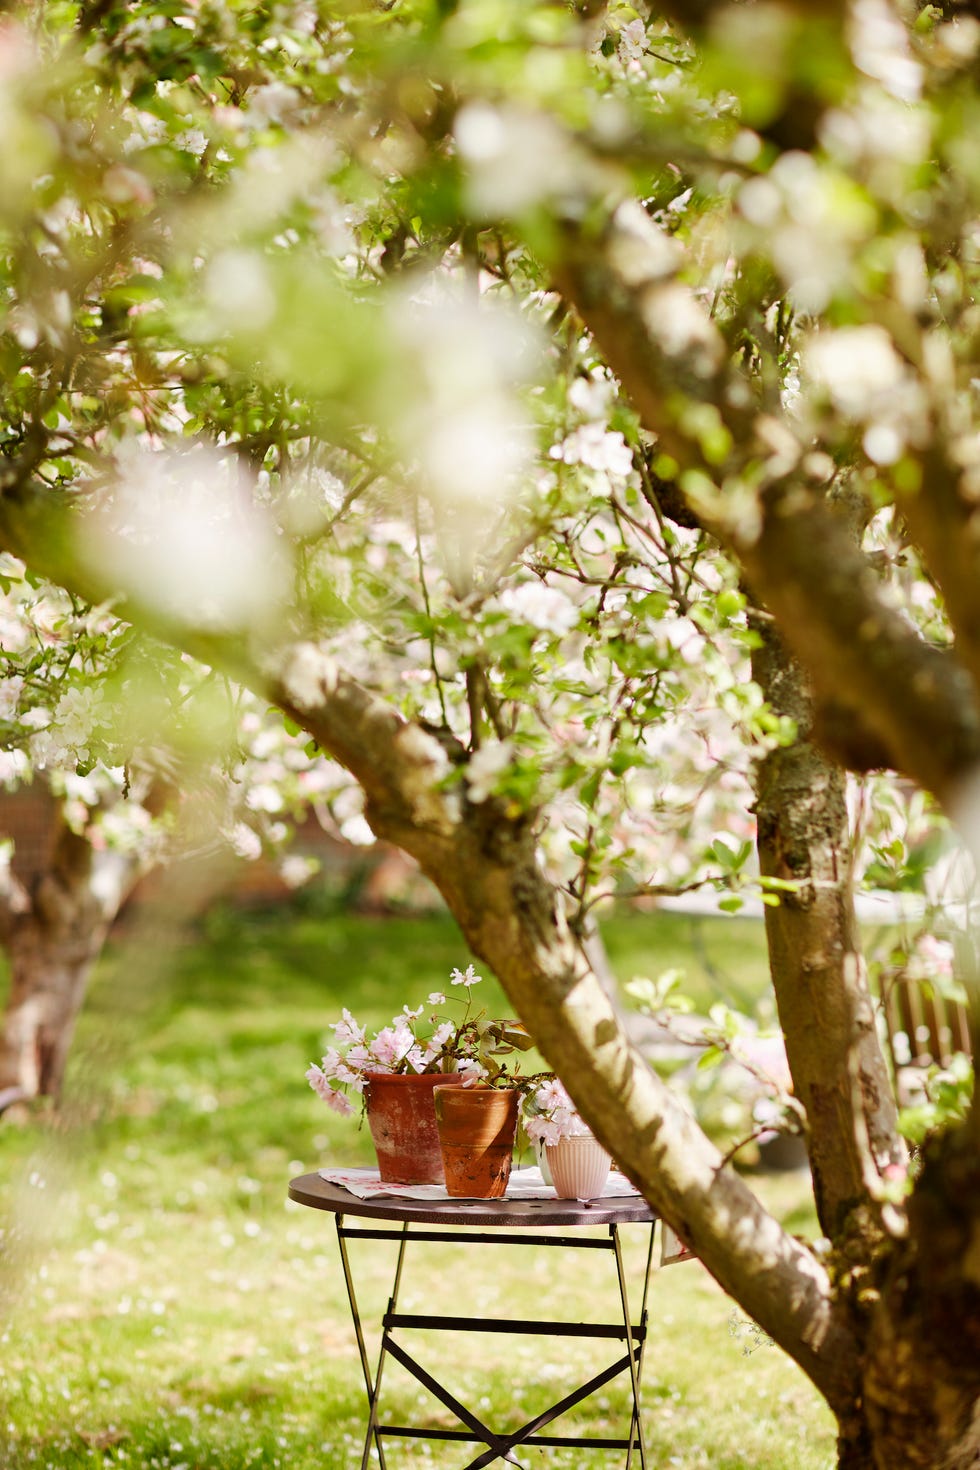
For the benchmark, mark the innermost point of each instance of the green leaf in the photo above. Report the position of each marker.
(710, 1058)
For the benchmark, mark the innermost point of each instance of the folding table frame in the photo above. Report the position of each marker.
(499, 1215)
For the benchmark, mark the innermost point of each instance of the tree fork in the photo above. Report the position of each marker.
(510, 917)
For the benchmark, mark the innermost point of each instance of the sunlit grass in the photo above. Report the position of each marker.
(166, 1308)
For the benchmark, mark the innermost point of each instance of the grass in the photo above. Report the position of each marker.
(164, 1307)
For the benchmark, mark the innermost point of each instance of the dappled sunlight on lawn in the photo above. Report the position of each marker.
(168, 1309)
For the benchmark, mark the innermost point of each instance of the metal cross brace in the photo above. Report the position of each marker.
(498, 1445)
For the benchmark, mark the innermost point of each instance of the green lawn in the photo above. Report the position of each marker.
(165, 1307)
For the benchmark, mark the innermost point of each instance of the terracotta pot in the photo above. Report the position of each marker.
(477, 1128)
(403, 1125)
(579, 1167)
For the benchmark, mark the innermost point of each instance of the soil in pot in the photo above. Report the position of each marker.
(477, 1127)
(403, 1125)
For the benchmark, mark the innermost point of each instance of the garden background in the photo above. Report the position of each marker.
(165, 1307)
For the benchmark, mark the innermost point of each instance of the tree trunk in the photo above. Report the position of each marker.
(922, 1374)
(48, 980)
(818, 972)
(53, 936)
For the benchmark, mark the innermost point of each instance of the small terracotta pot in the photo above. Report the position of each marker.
(403, 1125)
(477, 1127)
(579, 1167)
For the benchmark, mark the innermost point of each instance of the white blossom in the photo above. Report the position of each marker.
(515, 158)
(183, 534)
(484, 767)
(295, 870)
(309, 676)
(10, 695)
(272, 102)
(77, 713)
(591, 396)
(880, 46)
(855, 366)
(632, 41)
(245, 841)
(597, 447)
(264, 797)
(540, 607)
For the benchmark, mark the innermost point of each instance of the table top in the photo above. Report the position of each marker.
(310, 1189)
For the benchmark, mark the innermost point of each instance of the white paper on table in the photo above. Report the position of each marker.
(523, 1184)
(672, 1248)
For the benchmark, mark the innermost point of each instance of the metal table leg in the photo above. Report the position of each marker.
(499, 1446)
(372, 1386)
(635, 1359)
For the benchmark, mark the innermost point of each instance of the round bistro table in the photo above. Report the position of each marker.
(488, 1222)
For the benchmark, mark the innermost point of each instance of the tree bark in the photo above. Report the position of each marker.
(922, 1373)
(52, 936)
(818, 971)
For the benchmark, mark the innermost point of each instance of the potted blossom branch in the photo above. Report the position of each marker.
(478, 1122)
(571, 1158)
(395, 1073)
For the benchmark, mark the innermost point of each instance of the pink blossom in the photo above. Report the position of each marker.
(552, 1115)
(321, 1086)
(937, 952)
(318, 1081)
(767, 1054)
(438, 1040)
(551, 1095)
(391, 1045)
(548, 1130)
(330, 1062)
(468, 977)
(412, 1015)
(436, 998)
(416, 1058)
(339, 1103)
(347, 1077)
(347, 1030)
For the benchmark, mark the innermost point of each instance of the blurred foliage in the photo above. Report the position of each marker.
(281, 359)
(283, 363)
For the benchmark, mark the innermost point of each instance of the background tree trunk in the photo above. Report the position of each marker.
(56, 922)
(818, 972)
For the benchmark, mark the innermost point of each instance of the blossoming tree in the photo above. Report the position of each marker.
(483, 385)
(118, 760)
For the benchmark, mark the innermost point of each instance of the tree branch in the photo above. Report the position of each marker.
(916, 702)
(484, 863)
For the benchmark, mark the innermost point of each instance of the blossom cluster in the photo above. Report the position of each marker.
(550, 1114)
(450, 1046)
